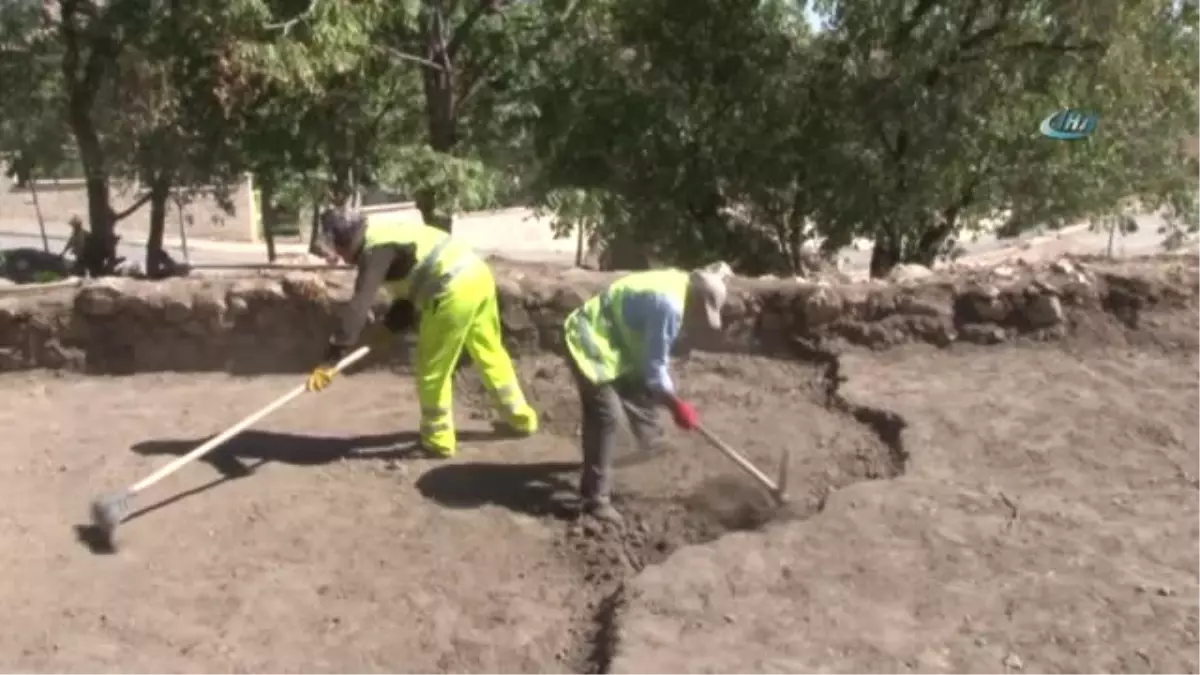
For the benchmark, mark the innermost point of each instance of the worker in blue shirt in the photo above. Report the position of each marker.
(620, 348)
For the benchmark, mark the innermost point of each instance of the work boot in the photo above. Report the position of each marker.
(508, 430)
(437, 437)
(521, 424)
(434, 452)
(604, 511)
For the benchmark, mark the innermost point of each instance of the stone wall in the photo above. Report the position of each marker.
(257, 324)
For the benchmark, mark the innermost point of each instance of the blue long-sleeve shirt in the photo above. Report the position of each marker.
(657, 318)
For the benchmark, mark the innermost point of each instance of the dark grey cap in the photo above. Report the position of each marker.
(341, 226)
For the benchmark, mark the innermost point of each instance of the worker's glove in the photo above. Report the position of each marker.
(684, 414)
(320, 378)
(323, 374)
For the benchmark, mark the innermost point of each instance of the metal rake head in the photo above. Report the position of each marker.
(108, 511)
(781, 481)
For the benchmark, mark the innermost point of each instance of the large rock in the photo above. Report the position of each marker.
(279, 322)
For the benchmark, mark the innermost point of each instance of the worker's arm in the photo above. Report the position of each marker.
(661, 322)
(373, 266)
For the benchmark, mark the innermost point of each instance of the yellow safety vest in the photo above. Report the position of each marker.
(440, 258)
(602, 344)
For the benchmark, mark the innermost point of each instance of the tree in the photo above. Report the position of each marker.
(190, 113)
(322, 104)
(33, 132)
(428, 69)
(727, 130)
(942, 100)
(455, 65)
(692, 125)
(92, 37)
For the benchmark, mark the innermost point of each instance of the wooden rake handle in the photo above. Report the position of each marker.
(775, 488)
(238, 428)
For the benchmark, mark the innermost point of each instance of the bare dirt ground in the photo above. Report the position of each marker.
(1046, 522)
(332, 551)
(1041, 514)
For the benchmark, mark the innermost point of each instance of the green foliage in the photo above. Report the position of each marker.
(464, 184)
(682, 132)
(1144, 91)
(942, 102)
(572, 210)
(304, 46)
(684, 119)
(727, 130)
(46, 276)
(34, 136)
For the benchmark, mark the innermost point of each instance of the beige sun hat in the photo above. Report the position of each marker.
(709, 287)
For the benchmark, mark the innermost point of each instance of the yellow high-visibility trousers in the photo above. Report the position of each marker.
(466, 316)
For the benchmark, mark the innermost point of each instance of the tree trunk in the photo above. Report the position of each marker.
(100, 247)
(933, 239)
(266, 192)
(37, 209)
(158, 263)
(885, 255)
(100, 253)
(341, 192)
(580, 230)
(82, 79)
(314, 230)
(187, 259)
(443, 127)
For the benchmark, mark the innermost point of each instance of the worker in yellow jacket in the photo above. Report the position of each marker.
(620, 347)
(430, 275)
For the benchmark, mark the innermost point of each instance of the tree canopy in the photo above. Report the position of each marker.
(671, 131)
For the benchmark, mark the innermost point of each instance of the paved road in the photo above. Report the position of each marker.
(14, 235)
(134, 250)
(1076, 240)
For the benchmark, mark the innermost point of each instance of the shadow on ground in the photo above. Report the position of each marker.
(299, 449)
(538, 489)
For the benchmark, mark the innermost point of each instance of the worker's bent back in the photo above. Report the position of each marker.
(441, 259)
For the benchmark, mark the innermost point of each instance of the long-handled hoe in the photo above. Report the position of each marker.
(777, 488)
(109, 510)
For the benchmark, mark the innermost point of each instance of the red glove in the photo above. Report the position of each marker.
(684, 414)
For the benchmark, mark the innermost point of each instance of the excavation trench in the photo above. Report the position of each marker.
(336, 560)
(693, 495)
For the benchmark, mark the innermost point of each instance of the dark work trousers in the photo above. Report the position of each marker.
(603, 407)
